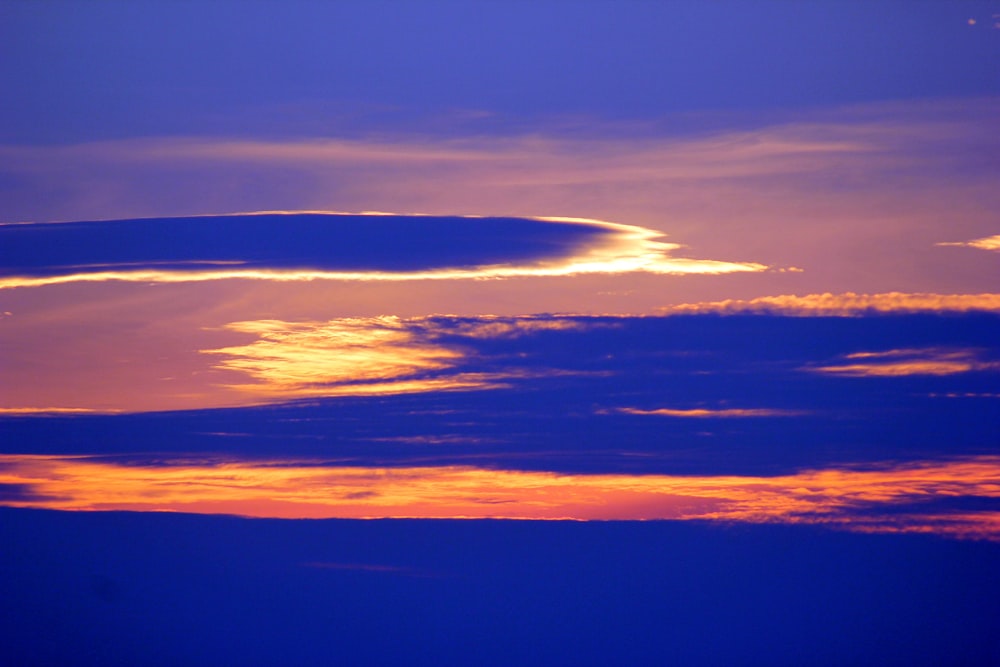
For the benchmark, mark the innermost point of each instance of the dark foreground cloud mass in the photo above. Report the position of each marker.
(334, 242)
(167, 589)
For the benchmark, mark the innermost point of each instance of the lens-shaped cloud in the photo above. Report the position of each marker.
(316, 246)
(910, 497)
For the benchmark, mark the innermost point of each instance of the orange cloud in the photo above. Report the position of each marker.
(353, 355)
(50, 411)
(865, 499)
(892, 363)
(368, 356)
(987, 243)
(847, 304)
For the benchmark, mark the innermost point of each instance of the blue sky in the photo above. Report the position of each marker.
(106, 70)
(492, 332)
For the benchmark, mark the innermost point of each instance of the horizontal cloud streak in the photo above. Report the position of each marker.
(849, 498)
(855, 196)
(897, 363)
(987, 243)
(328, 246)
(847, 304)
(704, 413)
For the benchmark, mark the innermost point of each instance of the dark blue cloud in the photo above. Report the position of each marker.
(167, 589)
(330, 242)
(565, 388)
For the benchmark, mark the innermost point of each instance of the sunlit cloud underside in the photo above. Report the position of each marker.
(391, 355)
(924, 496)
(369, 356)
(986, 243)
(256, 362)
(895, 363)
(588, 247)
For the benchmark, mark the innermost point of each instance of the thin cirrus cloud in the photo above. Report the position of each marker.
(847, 304)
(917, 496)
(986, 243)
(306, 246)
(709, 413)
(903, 362)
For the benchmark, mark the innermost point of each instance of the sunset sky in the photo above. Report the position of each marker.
(302, 305)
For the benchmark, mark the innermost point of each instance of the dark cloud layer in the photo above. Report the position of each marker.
(167, 589)
(316, 241)
(583, 398)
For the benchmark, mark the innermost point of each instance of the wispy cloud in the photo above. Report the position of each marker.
(893, 363)
(50, 411)
(986, 243)
(901, 497)
(847, 304)
(375, 356)
(709, 413)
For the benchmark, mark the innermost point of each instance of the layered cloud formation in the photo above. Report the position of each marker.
(314, 246)
(914, 497)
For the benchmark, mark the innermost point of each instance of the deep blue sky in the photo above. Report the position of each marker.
(82, 71)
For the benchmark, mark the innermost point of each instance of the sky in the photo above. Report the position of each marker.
(500, 332)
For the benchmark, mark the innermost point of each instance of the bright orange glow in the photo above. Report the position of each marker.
(849, 498)
(844, 305)
(360, 356)
(50, 411)
(368, 356)
(890, 363)
(702, 413)
(310, 359)
(987, 243)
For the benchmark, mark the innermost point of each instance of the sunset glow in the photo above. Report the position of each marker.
(854, 499)
(470, 332)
